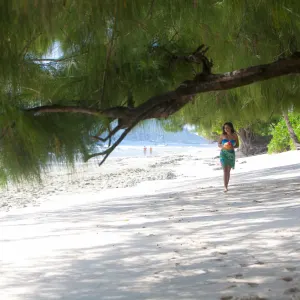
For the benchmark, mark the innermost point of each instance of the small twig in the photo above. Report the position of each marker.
(142, 25)
(108, 151)
(24, 50)
(174, 35)
(150, 11)
(108, 54)
(56, 60)
(111, 133)
(5, 130)
(197, 57)
(291, 12)
(242, 23)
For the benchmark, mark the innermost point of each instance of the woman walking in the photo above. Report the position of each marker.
(227, 142)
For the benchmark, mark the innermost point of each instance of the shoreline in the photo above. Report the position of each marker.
(130, 172)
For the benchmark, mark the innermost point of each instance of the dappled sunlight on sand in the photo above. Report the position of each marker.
(190, 242)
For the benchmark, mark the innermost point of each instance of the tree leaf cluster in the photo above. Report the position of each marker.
(102, 53)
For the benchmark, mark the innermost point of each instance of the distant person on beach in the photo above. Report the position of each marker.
(150, 150)
(145, 150)
(227, 142)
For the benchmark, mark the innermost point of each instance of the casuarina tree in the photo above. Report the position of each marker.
(75, 74)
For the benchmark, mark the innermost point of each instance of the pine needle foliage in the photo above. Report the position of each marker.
(109, 50)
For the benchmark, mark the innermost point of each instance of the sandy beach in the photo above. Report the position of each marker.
(155, 227)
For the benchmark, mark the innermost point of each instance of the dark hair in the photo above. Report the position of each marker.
(230, 125)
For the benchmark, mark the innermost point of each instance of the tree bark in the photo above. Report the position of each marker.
(251, 143)
(164, 105)
(291, 131)
(246, 137)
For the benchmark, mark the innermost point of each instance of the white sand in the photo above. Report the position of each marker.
(162, 230)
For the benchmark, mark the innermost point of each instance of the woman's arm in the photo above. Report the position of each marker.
(220, 142)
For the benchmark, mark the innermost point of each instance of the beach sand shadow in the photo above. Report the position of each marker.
(197, 244)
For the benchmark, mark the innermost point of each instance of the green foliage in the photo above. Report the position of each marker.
(173, 124)
(281, 140)
(111, 49)
(31, 145)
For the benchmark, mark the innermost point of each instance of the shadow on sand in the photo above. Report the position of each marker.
(197, 244)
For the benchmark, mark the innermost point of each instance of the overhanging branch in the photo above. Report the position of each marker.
(164, 105)
(110, 149)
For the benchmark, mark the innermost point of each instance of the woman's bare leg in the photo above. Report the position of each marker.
(225, 174)
(228, 176)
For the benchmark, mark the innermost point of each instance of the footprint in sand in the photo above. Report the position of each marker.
(253, 284)
(291, 291)
(244, 265)
(226, 298)
(231, 286)
(237, 276)
(291, 269)
(287, 279)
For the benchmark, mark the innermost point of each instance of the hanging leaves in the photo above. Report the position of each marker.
(107, 48)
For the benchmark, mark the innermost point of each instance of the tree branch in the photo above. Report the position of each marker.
(110, 149)
(56, 60)
(164, 105)
(6, 130)
(149, 14)
(108, 54)
(111, 133)
(114, 112)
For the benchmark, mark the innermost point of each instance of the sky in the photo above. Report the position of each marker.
(54, 51)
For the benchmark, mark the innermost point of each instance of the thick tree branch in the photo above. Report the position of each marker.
(164, 105)
(242, 77)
